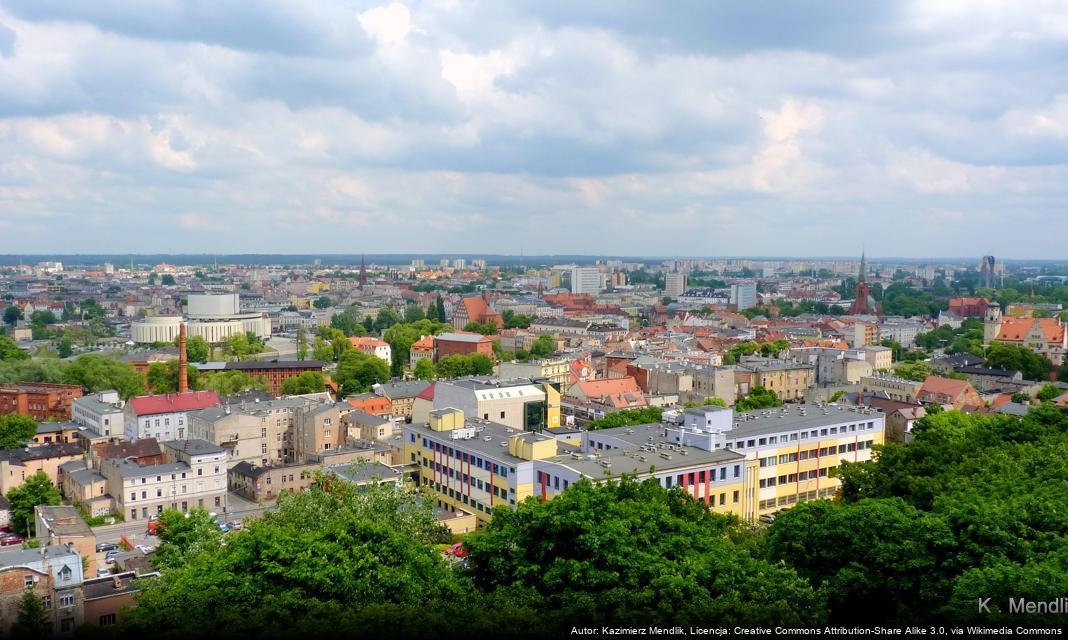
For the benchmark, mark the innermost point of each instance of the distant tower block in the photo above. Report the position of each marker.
(986, 271)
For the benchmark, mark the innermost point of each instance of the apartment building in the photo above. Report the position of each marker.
(893, 387)
(373, 347)
(786, 378)
(749, 464)
(475, 464)
(39, 400)
(798, 448)
(401, 395)
(319, 429)
(266, 483)
(164, 417)
(101, 412)
(18, 464)
(556, 370)
(195, 478)
(54, 573)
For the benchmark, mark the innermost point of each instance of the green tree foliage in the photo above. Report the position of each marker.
(758, 398)
(16, 429)
(735, 353)
(973, 500)
(1049, 392)
(360, 560)
(402, 336)
(542, 347)
(357, 371)
(167, 280)
(32, 619)
(413, 313)
(625, 553)
(486, 329)
(184, 535)
(1008, 356)
(708, 402)
(97, 372)
(901, 299)
(455, 366)
(36, 490)
(12, 314)
(915, 371)
(322, 351)
(323, 302)
(302, 344)
(513, 320)
(424, 370)
(10, 351)
(627, 418)
(162, 377)
(307, 382)
(24, 370)
(64, 349)
(227, 383)
(967, 339)
(348, 322)
(386, 318)
(432, 312)
(197, 349)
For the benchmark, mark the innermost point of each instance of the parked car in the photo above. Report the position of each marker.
(11, 539)
(110, 557)
(100, 573)
(106, 546)
(144, 548)
(457, 551)
(237, 525)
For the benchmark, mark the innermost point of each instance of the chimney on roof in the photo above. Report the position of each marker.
(183, 361)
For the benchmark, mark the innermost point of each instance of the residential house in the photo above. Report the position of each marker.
(948, 391)
(164, 417)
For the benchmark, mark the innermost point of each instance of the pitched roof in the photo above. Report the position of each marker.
(364, 341)
(1016, 329)
(944, 386)
(173, 402)
(427, 394)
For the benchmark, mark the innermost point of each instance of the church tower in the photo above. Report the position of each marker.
(991, 323)
(863, 303)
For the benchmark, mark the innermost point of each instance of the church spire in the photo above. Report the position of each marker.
(863, 266)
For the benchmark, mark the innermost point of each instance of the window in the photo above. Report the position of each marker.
(107, 620)
(67, 599)
(502, 415)
(27, 581)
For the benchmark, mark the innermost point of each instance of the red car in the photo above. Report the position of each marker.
(11, 539)
(457, 551)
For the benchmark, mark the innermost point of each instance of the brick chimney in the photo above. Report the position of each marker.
(183, 361)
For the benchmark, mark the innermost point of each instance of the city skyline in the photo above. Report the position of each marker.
(914, 128)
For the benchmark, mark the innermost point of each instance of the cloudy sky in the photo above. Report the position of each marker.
(757, 127)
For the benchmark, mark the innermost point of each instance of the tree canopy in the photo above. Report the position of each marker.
(758, 398)
(35, 490)
(455, 366)
(1012, 357)
(16, 429)
(307, 382)
(9, 350)
(97, 372)
(627, 418)
(357, 371)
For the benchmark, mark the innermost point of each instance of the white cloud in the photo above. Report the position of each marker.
(388, 24)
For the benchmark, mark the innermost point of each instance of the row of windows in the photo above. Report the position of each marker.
(795, 477)
(793, 437)
(455, 474)
(805, 496)
(159, 491)
(466, 458)
(786, 458)
(462, 497)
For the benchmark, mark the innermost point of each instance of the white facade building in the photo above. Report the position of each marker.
(214, 317)
(102, 412)
(674, 284)
(743, 295)
(585, 280)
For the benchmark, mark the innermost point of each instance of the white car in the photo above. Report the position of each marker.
(144, 548)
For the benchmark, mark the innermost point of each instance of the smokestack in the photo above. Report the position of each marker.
(183, 361)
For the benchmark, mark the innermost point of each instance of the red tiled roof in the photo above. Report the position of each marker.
(1016, 329)
(427, 394)
(172, 402)
(944, 386)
